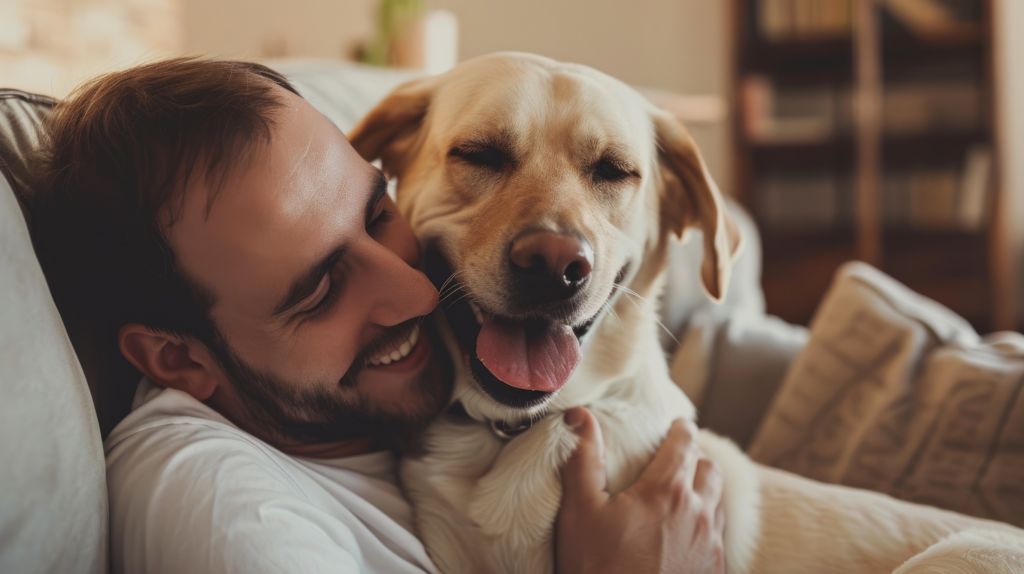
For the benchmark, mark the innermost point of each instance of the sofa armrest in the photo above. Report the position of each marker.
(730, 357)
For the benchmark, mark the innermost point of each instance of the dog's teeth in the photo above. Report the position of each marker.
(385, 360)
(415, 337)
(477, 313)
(395, 356)
(404, 349)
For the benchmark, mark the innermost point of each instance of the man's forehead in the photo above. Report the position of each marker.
(297, 194)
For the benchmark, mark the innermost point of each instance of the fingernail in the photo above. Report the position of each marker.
(574, 418)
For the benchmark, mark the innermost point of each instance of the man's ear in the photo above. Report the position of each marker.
(390, 130)
(170, 361)
(689, 197)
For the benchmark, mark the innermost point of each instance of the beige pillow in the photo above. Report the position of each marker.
(898, 394)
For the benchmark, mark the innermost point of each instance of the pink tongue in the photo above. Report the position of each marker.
(534, 357)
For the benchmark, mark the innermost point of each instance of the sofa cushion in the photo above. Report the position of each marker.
(341, 91)
(53, 512)
(898, 394)
(21, 115)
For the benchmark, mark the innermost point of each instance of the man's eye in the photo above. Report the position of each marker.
(606, 170)
(323, 303)
(487, 157)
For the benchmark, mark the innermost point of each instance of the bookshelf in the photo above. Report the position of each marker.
(864, 129)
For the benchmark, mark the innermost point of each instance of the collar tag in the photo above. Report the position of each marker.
(506, 431)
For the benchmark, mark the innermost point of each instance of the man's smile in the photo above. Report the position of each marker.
(402, 356)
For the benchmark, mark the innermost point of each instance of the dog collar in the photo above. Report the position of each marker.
(506, 431)
(501, 429)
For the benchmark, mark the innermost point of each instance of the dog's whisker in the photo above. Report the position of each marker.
(451, 278)
(465, 295)
(450, 296)
(633, 297)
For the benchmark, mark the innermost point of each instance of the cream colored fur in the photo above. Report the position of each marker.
(486, 505)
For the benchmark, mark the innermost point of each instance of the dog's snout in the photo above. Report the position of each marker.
(549, 266)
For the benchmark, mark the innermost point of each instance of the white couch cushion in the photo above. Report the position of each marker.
(341, 91)
(53, 510)
(898, 394)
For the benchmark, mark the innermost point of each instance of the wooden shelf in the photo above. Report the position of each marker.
(945, 148)
(804, 60)
(836, 153)
(799, 266)
(961, 269)
(830, 59)
(941, 148)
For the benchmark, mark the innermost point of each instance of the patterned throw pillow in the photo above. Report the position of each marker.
(898, 394)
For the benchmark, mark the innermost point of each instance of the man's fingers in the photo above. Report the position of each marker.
(720, 517)
(584, 480)
(675, 461)
(707, 481)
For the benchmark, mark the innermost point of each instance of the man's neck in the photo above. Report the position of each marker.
(337, 449)
(228, 405)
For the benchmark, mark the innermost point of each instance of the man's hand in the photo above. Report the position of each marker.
(669, 520)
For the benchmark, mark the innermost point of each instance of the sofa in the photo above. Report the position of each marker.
(731, 358)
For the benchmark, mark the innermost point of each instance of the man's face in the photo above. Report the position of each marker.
(318, 298)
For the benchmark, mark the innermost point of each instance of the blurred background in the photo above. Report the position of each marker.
(890, 131)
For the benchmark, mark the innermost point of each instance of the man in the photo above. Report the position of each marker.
(251, 266)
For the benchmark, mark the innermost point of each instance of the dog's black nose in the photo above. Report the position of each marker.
(548, 266)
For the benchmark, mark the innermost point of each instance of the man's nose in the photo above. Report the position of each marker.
(399, 291)
(547, 266)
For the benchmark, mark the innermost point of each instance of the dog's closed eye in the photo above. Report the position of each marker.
(486, 155)
(610, 169)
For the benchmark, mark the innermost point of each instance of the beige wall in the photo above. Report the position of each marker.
(672, 44)
(1009, 21)
(679, 45)
(258, 28)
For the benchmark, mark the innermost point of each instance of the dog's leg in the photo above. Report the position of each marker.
(517, 501)
(970, 552)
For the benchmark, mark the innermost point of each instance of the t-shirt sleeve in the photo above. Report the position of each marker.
(202, 501)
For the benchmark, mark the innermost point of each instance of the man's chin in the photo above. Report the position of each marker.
(414, 394)
(417, 383)
(383, 404)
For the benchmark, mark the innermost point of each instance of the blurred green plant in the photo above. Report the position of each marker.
(391, 17)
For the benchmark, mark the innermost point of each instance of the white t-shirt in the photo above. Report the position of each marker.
(190, 493)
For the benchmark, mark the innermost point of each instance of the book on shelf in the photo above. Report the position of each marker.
(974, 188)
(935, 17)
(934, 198)
(816, 113)
(790, 19)
(940, 198)
(793, 115)
(807, 201)
(921, 107)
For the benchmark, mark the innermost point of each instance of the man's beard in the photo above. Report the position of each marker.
(317, 413)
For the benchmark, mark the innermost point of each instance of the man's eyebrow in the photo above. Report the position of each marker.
(308, 282)
(380, 187)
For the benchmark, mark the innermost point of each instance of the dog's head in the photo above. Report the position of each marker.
(538, 189)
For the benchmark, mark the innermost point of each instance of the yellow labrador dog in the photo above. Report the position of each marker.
(545, 195)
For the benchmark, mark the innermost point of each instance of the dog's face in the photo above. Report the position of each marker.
(537, 189)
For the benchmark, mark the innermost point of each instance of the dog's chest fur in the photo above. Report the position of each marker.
(488, 505)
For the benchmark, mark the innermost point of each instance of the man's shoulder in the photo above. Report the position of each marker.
(172, 436)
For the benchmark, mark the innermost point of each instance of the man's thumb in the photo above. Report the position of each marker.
(584, 481)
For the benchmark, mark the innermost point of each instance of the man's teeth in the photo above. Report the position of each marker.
(400, 352)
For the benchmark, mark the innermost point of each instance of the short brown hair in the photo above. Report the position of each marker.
(119, 154)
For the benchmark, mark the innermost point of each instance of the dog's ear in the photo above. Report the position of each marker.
(388, 131)
(689, 197)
